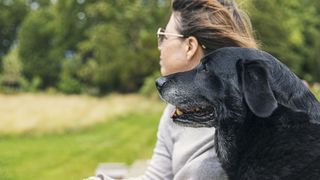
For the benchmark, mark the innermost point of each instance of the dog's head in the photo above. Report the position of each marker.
(223, 87)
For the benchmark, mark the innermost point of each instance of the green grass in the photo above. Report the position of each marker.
(316, 92)
(76, 154)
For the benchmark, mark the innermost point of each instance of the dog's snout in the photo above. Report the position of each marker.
(160, 82)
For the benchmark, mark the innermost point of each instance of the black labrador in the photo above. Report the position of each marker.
(267, 121)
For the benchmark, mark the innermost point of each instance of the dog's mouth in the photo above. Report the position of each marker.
(194, 117)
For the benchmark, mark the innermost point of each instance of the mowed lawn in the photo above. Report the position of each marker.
(123, 131)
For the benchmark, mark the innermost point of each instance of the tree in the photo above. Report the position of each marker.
(12, 13)
(36, 47)
(121, 42)
(49, 35)
(290, 31)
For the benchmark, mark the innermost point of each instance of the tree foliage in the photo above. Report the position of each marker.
(12, 13)
(290, 30)
(120, 46)
(101, 46)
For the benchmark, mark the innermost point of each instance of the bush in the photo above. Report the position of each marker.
(69, 81)
(69, 85)
(31, 86)
(11, 77)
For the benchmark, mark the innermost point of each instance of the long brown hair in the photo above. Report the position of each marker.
(214, 23)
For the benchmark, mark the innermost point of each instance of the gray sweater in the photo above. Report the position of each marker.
(183, 153)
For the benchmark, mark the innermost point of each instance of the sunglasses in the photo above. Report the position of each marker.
(161, 35)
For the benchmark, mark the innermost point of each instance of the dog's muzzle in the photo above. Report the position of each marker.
(160, 83)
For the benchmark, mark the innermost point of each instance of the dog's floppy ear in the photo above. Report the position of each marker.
(254, 78)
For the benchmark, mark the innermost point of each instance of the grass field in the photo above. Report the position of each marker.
(65, 137)
(73, 152)
(42, 114)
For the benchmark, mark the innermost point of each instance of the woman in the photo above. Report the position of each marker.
(195, 28)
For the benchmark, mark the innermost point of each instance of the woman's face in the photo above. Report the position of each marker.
(173, 51)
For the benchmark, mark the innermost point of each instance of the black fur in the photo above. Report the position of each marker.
(267, 122)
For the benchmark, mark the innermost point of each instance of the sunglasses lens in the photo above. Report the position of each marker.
(160, 39)
(160, 36)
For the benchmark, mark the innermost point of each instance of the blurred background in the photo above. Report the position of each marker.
(77, 77)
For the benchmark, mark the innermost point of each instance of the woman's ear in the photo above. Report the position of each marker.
(193, 48)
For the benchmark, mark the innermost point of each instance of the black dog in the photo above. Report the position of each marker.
(267, 122)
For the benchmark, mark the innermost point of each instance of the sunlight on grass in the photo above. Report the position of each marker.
(41, 113)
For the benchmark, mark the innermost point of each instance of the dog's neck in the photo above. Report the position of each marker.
(230, 149)
(301, 101)
(227, 147)
(297, 96)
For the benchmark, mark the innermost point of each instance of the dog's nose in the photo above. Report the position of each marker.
(160, 82)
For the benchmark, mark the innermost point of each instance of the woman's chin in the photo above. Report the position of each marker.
(163, 72)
